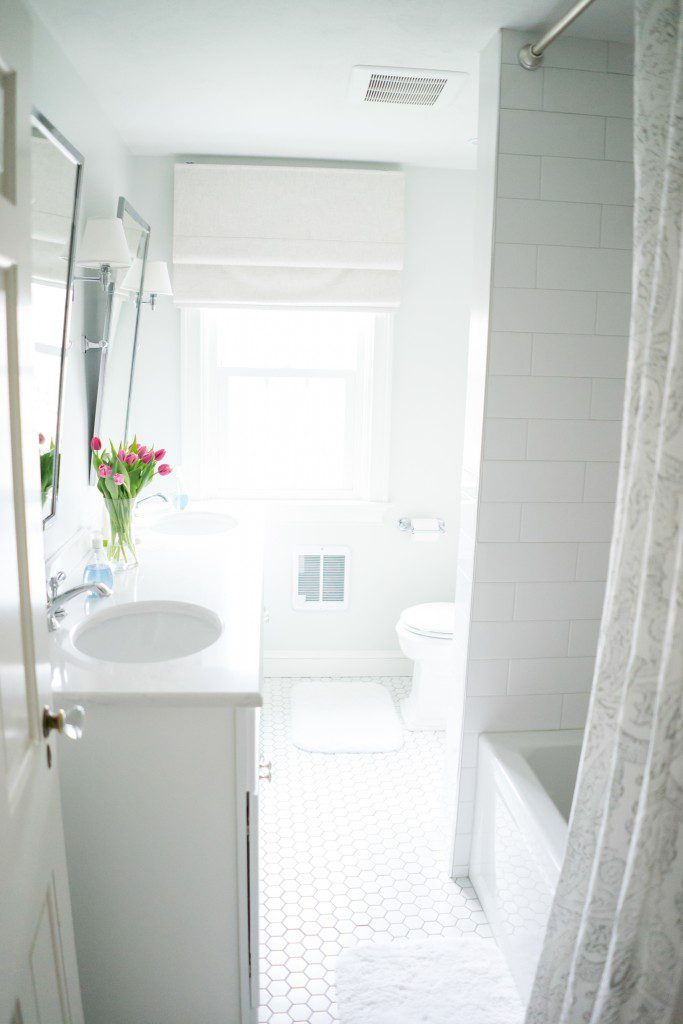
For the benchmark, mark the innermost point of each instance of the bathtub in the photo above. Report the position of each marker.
(525, 785)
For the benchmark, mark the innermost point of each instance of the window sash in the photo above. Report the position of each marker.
(351, 438)
(368, 426)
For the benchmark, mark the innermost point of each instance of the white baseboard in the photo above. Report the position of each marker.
(335, 663)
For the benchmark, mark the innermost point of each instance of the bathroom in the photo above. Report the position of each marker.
(329, 385)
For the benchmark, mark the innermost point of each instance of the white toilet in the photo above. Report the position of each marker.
(425, 635)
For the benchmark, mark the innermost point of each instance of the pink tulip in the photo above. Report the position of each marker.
(96, 444)
(147, 457)
(41, 438)
(164, 469)
(118, 479)
(159, 454)
(104, 471)
(142, 450)
(131, 458)
(121, 455)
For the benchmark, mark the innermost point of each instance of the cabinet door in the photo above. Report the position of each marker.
(247, 730)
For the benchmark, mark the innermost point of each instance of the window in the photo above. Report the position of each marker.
(47, 315)
(286, 404)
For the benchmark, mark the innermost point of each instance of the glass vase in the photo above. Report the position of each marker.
(119, 533)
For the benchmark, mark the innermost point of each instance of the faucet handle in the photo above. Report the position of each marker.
(54, 583)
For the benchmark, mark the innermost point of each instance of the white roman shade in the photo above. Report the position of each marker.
(287, 236)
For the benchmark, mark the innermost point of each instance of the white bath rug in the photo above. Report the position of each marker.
(444, 981)
(344, 717)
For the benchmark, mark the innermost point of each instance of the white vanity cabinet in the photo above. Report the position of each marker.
(160, 819)
(160, 795)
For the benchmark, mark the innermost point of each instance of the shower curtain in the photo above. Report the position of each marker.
(613, 951)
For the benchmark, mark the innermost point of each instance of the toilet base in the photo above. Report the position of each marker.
(433, 685)
(422, 712)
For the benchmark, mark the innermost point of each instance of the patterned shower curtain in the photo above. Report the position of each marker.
(613, 951)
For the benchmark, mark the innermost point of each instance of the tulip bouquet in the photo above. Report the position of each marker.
(121, 474)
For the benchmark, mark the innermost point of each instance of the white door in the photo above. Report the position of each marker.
(38, 976)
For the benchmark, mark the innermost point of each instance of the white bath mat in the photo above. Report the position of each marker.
(459, 981)
(332, 716)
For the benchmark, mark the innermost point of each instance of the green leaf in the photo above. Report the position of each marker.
(112, 489)
(126, 480)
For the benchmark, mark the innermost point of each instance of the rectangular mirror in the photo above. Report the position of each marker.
(56, 171)
(121, 333)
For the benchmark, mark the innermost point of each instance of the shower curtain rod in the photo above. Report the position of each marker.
(531, 54)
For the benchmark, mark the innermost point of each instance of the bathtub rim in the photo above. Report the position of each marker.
(504, 774)
(523, 791)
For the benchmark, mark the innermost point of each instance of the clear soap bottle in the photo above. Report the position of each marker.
(97, 569)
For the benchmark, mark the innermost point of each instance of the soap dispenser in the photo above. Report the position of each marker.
(97, 569)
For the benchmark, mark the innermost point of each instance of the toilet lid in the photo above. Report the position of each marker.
(436, 619)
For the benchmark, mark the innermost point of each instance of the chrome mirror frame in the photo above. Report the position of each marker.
(123, 207)
(48, 130)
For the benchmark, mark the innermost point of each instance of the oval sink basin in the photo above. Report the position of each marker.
(194, 524)
(147, 631)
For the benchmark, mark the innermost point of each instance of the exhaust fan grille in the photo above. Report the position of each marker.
(419, 92)
(404, 87)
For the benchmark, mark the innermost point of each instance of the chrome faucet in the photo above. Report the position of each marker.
(149, 497)
(56, 601)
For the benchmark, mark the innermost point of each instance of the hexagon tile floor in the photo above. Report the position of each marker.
(352, 850)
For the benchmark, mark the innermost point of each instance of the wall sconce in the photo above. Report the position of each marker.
(103, 248)
(157, 281)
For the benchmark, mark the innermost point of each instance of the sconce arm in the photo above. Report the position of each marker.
(103, 276)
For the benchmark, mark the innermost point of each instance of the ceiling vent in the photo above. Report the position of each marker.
(404, 87)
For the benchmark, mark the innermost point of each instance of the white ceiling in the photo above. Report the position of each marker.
(269, 77)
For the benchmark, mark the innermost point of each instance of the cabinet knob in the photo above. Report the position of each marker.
(68, 723)
(265, 771)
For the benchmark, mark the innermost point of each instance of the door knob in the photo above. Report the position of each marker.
(67, 723)
(266, 771)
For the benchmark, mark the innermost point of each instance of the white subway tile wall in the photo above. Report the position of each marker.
(559, 320)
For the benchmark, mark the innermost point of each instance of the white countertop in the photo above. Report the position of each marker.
(222, 572)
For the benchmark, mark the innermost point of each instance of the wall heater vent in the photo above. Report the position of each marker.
(412, 87)
(320, 579)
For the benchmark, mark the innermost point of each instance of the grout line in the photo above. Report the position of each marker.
(536, 265)
(566, 156)
(532, 657)
(604, 138)
(576, 566)
(543, 84)
(566, 113)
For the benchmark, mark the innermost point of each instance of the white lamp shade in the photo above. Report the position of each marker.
(157, 281)
(104, 244)
(131, 280)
